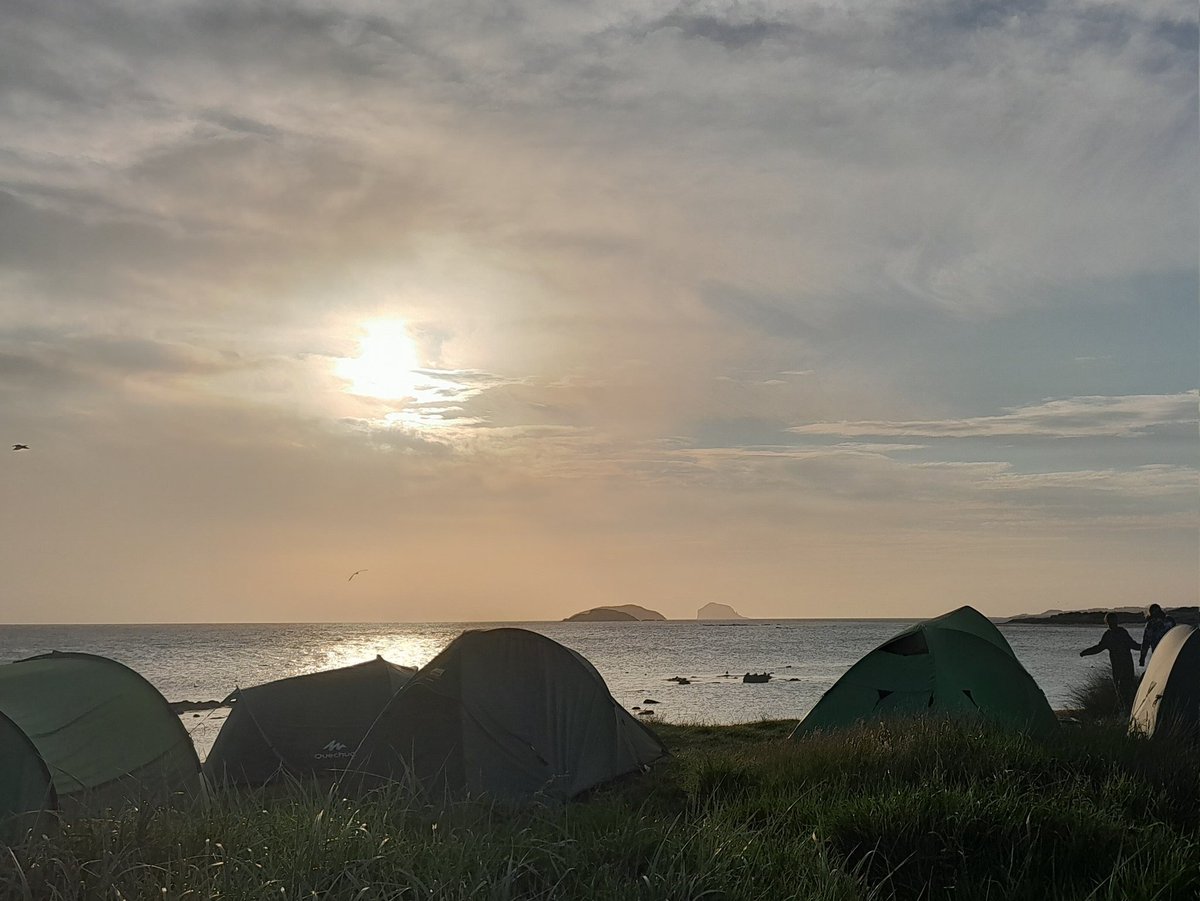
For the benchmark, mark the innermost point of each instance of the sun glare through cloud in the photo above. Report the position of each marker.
(386, 365)
(388, 368)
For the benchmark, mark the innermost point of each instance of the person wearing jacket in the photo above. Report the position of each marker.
(1158, 624)
(1119, 645)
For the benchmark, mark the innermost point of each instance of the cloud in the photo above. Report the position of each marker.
(732, 34)
(43, 362)
(942, 167)
(1076, 417)
(865, 488)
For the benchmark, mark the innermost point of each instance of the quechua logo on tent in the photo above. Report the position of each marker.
(335, 750)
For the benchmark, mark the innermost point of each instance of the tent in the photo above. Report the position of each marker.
(506, 713)
(1168, 698)
(307, 725)
(85, 732)
(956, 665)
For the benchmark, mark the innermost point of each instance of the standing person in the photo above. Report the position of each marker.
(1119, 644)
(1158, 624)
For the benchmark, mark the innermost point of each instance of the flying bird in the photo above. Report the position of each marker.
(355, 573)
(20, 447)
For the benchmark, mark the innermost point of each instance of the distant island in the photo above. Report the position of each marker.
(718, 611)
(1134, 615)
(615, 614)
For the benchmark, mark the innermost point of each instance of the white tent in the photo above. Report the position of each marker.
(1168, 698)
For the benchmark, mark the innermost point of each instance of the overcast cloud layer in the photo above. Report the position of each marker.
(842, 308)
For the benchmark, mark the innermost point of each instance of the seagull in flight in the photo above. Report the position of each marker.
(355, 573)
(20, 447)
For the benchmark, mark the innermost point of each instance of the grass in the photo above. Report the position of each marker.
(925, 809)
(1095, 699)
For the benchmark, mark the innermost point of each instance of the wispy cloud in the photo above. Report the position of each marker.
(1076, 417)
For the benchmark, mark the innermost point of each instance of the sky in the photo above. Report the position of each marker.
(860, 308)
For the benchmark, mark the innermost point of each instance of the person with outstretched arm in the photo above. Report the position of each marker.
(1158, 624)
(1119, 645)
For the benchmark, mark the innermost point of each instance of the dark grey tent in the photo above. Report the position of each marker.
(955, 665)
(85, 732)
(506, 713)
(307, 725)
(1168, 697)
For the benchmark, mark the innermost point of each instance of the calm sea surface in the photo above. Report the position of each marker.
(201, 662)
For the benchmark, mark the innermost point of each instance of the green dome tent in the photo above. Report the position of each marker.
(956, 665)
(82, 731)
(307, 725)
(1168, 697)
(507, 713)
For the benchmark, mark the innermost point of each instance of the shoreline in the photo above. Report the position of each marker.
(1183, 616)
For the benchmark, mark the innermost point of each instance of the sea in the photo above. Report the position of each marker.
(638, 660)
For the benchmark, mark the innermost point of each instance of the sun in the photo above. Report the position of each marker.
(386, 365)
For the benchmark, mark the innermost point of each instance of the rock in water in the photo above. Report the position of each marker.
(718, 611)
(616, 613)
(600, 615)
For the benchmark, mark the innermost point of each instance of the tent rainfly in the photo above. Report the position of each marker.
(306, 726)
(83, 732)
(506, 713)
(1168, 697)
(956, 665)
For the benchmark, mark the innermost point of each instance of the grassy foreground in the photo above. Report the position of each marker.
(919, 810)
